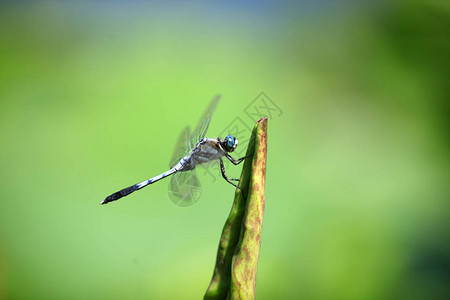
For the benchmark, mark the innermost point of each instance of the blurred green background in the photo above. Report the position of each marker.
(94, 94)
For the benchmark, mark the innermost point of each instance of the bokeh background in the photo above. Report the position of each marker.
(93, 95)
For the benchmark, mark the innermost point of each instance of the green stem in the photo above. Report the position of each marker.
(237, 257)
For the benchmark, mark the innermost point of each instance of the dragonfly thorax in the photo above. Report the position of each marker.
(206, 150)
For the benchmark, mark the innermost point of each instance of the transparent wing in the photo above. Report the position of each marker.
(182, 147)
(202, 126)
(184, 189)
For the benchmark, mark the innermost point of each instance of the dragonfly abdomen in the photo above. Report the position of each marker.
(126, 191)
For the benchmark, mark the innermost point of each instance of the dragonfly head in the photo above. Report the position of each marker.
(230, 143)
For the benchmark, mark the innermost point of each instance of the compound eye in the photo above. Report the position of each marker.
(230, 141)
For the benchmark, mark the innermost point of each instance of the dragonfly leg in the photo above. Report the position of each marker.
(236, 161)
(222, 169)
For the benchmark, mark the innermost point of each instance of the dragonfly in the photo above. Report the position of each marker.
(192, 149)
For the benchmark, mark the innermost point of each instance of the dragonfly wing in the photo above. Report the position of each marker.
(184, 189)
(182, 147)
(202, 126)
